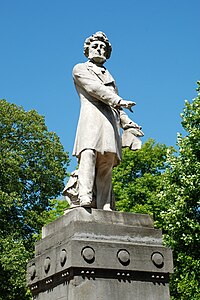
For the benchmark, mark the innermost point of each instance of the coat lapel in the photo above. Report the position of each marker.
(101, 72)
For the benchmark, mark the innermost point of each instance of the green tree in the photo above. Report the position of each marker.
(57, 208)
(138, 178)
(33, 166)
(182, 193)
(155, 180)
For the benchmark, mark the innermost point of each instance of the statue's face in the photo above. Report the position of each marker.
(97, 52)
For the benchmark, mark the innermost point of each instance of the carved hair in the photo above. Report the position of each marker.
(98, 36)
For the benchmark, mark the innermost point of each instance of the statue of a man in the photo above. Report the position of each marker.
(98, 144)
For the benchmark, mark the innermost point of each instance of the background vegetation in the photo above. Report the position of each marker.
(33, 167)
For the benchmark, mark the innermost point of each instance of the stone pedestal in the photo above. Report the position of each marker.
(100, 255)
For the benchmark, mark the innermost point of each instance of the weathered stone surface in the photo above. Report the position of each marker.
(98, 144)
(104, 289)
(97, 216)
(95, 254)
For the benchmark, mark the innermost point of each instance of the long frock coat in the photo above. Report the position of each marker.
(99, 121)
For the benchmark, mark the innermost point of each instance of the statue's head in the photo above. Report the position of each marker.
(97, 47)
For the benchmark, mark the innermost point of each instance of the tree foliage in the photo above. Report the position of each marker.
(182, 193)
(33, 166)
(138, 178)
(155, 180)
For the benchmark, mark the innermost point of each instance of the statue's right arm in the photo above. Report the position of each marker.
(93, 86)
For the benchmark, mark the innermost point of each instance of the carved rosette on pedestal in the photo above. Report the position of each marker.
(95, 254)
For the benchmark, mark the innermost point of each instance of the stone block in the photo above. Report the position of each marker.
(93, 254)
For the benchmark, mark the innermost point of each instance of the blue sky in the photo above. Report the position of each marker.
(155, 58)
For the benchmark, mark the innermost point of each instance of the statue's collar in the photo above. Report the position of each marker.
(95, 68)
(101, 72)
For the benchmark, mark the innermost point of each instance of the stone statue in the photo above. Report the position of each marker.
(98, 144)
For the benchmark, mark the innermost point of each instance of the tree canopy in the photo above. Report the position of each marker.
(33, 166)
(181, 218)
(166, 184)
(137, 180)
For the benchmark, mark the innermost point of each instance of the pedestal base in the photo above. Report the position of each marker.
(94, 254)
